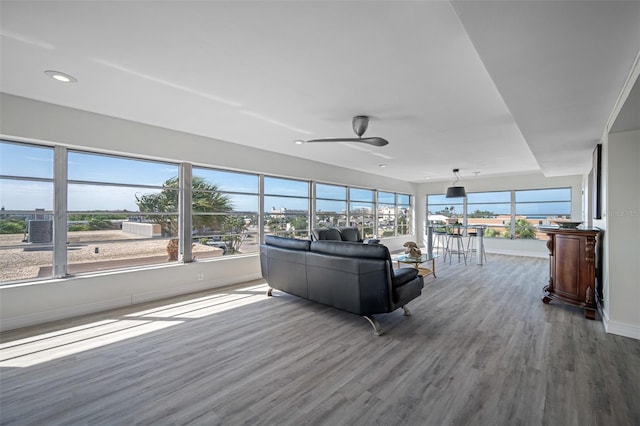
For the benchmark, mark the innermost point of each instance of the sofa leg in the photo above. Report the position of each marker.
(376, 327)
(269, 292)
(407, 312)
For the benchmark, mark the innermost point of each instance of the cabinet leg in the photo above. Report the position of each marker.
(546, 300)
(590, 314)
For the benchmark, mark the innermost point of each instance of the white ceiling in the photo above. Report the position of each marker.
(495, 87)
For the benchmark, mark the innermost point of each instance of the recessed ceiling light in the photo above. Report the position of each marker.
(61, 76)
(298, 142)
(382, 165)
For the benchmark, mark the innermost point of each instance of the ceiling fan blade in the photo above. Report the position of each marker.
(375, 141)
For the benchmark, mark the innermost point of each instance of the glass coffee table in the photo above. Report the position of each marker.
(416, 261)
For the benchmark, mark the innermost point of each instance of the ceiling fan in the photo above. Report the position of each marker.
(360, 124)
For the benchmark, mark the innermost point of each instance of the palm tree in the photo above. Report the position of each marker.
(206, 198)
(524, 229)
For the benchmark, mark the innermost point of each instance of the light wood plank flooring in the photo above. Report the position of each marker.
(480, 349)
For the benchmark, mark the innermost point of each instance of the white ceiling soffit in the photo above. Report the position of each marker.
(559, 66)
(629, 115)
(502, 88)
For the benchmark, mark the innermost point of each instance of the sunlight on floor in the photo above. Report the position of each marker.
(48, 346)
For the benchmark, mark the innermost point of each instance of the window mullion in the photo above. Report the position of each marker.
(512, 229)
(312, 208)
(396, 213)
(60, 172)
(185, 212)
(261, 212)
(375, 214)
(464, 211)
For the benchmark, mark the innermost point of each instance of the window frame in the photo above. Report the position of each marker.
(285, 214)
(182, 213)
(316, 213)
(513, 216)
(230, 243)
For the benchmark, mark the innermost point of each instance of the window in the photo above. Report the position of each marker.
(26, 211)
(386, 214)
(331, 206)
(405, 215)
(537, 207)
(492, 209)
(286, 204)
(361, 208)
(440, 209)
(393, 211)
(122, 212)
(504, 218)
(225, 212)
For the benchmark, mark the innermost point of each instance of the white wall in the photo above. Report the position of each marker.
(621, 222)
(42, 301)
(29, 120)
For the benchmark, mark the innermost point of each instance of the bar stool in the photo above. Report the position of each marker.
(455, 238)
(440, 238)
(471, 244)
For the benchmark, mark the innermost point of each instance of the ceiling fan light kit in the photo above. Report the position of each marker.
(456, 191)
(360, 123)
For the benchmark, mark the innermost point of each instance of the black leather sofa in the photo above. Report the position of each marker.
(350, 276)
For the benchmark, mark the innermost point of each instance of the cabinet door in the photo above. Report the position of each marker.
(568, 264)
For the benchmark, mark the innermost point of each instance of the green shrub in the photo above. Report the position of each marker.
(492, 233)
(11, 227)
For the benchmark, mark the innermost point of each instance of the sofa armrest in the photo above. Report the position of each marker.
(403, 275)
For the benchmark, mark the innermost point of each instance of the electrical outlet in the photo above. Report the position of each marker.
(200, 276)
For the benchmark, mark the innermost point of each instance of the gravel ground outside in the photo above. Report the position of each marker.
(20, 264)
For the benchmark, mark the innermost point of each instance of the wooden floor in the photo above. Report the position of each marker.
(480, 349)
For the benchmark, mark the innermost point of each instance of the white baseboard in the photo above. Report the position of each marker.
(519, 253)
(620, 329)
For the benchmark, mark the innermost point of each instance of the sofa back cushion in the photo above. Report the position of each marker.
(321, 234)
(287, 243)
(351, 249)
(354, 277)
(350, 233)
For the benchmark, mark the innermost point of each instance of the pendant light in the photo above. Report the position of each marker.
(456, 191)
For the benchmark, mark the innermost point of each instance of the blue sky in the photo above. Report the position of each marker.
(537, 202)
(37, 162)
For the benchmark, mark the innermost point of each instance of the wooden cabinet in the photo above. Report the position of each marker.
(572, 268)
